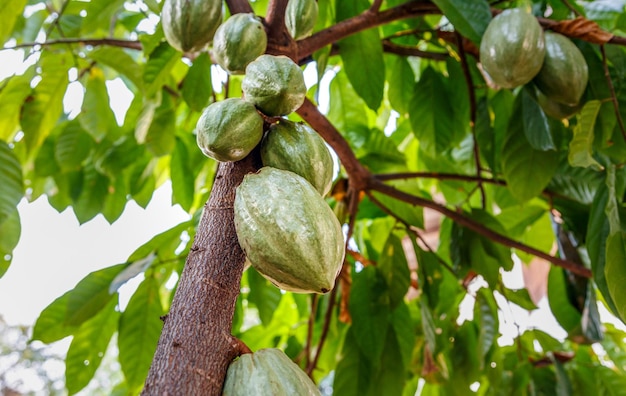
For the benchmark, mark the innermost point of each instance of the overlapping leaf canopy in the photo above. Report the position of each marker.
(405, 91)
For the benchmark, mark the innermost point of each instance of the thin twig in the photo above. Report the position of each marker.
(405, 50)
(375, 7)
(609, 82)
(130, 44)
(239, 6)
(472, 104)
(571, 8)
(438, 176)
(309, 336)
(327, 318)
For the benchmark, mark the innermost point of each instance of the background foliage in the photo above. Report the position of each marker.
(409, 98)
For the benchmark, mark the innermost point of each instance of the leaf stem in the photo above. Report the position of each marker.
(609, 82)
(325, 328)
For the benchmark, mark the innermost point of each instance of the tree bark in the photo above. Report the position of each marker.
(196, 345)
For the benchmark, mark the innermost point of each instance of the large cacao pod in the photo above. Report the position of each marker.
(189, 25)
(289, 233)
(239, 41)
(229, 130)
(298, 148)
(267, 372)
(300, 17)
(274, 84)
(512, 48)
(564, 74)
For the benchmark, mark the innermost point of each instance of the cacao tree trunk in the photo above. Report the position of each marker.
(196, 344)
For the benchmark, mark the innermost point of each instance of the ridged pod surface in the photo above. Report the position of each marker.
(229, 130)
(189, 25)
(267, 372)
(564, 74)
(239, 41)
(274, 84)
(512, 48)
(289, 233)
(300, 17)
(298, 148)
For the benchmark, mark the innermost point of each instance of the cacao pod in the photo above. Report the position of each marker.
(239, 41)
(229, 130)
(289, 233)
(564, 74)
(267, 372)
(300, 17)
(513, 48)
(555, 109)
(299, 149)
(274, 84)
(189, 25)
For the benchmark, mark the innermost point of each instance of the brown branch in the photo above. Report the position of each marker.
(239, 6)
(327, 318)
(309, 335)
(375, 7)
(360, 258)
(464, 221)
(609, 82)
(275, 16)
(405, 50)
(438, 176)
(130, 44)
(363, 21)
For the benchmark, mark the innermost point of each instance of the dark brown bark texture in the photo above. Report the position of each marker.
(196, 345)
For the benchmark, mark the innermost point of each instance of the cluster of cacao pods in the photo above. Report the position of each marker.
(515, 50)
(287, 230)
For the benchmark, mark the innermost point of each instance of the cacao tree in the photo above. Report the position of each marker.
(449, 181)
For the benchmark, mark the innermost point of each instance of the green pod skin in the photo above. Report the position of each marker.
(239, 41)
(267, 372)
(300, 18)
(554, 109)
(512, 48)
(189, 25)
(564, 75)
(299, 149)
(274, 84)
(289, 233)
(229, 130)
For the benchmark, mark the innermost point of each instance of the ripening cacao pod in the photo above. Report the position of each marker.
(289, 233)
(189, 25)
(267, 372)
(274, 84)
(298, 148)
(229, 130)
(564, 74)
(512, 48)
(555, 109)
(300, 17)
(239, 41)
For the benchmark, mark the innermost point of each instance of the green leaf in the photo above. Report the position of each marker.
(429, 328)
(120, 61)
(410, 214)
(160, 136)
(12, 95)
(615, 270)
(158, 241)
(527, 171)
(115, 201)
(88, 347)
(564, 312)
(534, 123)
(10, 230)
(435, 133)
(131, 271)
(394, 268)
(182, 176)
(470, 18)
(362, 56)
(353, 373)
(581, 145)
(563, 384)
(389, 379)
(40, 113)
(139, 331)
(158, 68)
(10, 10)
(486, 316)
(369, 307)
(94, 192)
(11, 184)
(197, 86)
(348, 108)
(100, 14)
(264, 295)
(519, 297)
(405, 331)
(72, 146)
(90, 295)
(96, 115)
(51, 325)
(400, 75)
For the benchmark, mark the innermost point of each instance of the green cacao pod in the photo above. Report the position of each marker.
(299, 149)
(239, 41)
(555, 109)
(513, 48)
(190, 24)
(300, 17)
(289, 233)
(564, 74)
(274, 84)
(267, 372)
(229, 130)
